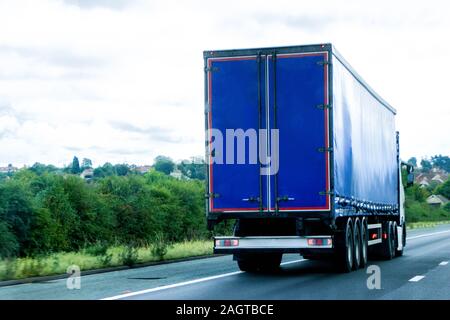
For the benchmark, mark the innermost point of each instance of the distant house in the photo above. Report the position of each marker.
(435, 176)
(9, 169)
(422, 180)
(176, 174)
(142, 169)
(436, 200)
(438, 178)
(87, 174)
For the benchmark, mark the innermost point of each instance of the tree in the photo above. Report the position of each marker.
(86, 163)
(75, 166)
(121, 169)
(194, 169)
(16, 209)
(106, 170)
(413, 161)
(426, 165)
(444, 189)
(442, 162)
(164, 164)
(40, 168)
(9, 246)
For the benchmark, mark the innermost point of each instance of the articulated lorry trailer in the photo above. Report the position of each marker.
(303, 155)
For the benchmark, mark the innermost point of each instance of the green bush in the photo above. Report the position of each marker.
(447, 207)
(129, 255)
(417, 211)
(444, 189)
(97, 249)
(9, 247)
(160, 246)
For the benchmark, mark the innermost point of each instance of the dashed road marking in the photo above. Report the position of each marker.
(416, 278)
(428, 235)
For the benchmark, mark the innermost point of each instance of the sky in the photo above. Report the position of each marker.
(122, 80)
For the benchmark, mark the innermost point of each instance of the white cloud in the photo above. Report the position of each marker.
(72, 70)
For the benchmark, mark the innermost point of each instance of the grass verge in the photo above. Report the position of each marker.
(424, 224)
(57, 263)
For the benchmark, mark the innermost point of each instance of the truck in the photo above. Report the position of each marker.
(303, 155)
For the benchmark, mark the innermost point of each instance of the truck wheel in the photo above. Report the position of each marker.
(247, 266)
(399, 253)
(388, 243)
(364, 242)
(393, 238)
(344, 248)
(356, 244)
(270, 262)
(404, 233)
(260, 262)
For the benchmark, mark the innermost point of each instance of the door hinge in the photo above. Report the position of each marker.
(251, 199)
(326, 193)
(325, 149)
(212, 69)
(285, 198)
(212, 195)
(323, 63)
(323, 106)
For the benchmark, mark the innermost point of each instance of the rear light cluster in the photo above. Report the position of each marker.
(320, 242)
(227, 243)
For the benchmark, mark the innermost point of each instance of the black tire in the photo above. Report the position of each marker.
(356, 244)
(259, 262)
(388, 244)
(247, 266)
(344, 248)
(364, 243)
(393, 238)
(270, 262)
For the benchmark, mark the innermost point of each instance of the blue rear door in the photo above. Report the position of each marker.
(291, 96)
(234, 105)
(300, 103)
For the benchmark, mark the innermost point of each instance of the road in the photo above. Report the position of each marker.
(423, 272)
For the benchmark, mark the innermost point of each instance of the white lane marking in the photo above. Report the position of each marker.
(443, 263)
(180, 284)
(428, 235)
(416, 279)
(291, 262)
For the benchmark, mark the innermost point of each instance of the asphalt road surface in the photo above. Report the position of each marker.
(423, 272)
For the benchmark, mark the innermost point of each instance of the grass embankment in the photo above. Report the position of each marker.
(425, 224)
(98, 257)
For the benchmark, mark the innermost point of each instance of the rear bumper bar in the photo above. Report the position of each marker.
(271, 244)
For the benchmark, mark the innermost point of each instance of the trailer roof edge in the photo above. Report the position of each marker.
(355, 74)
